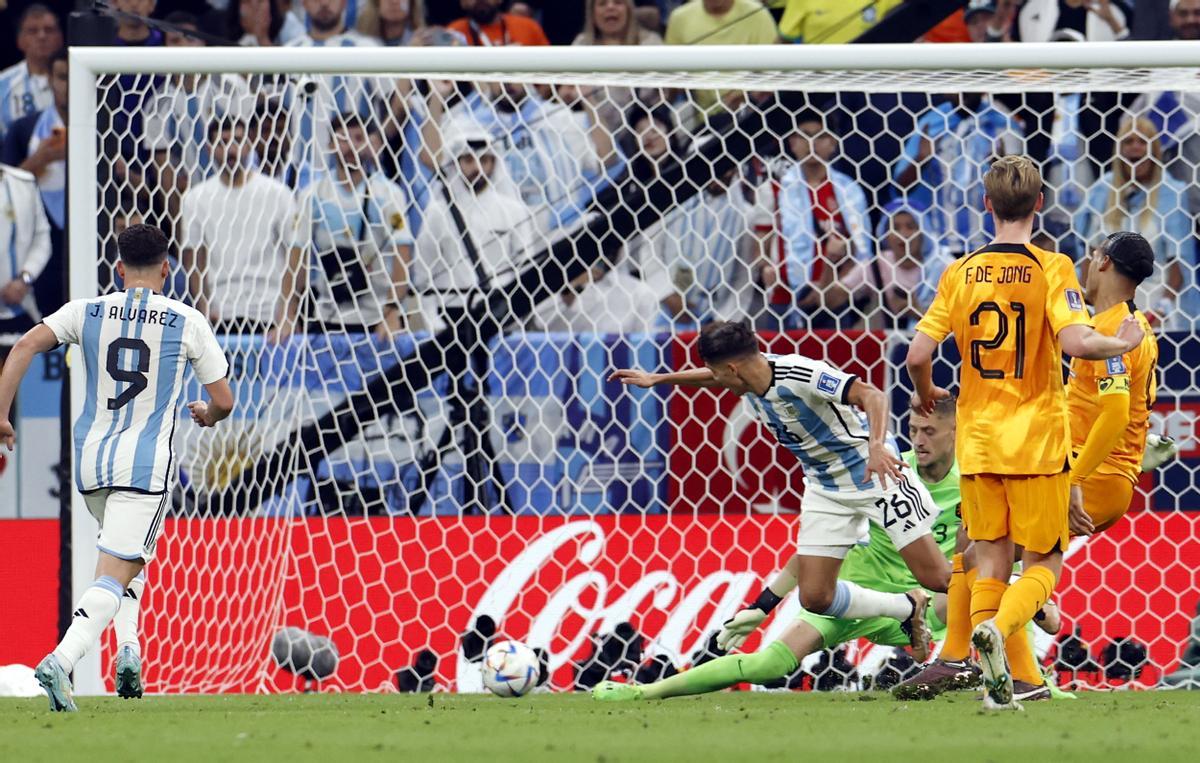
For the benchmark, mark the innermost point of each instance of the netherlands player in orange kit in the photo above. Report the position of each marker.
(1013, 309)
(1110, 400)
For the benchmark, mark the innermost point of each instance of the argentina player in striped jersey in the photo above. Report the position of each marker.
(852, 472)
(136, 347)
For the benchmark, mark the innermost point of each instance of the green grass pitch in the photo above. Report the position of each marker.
(734, 727)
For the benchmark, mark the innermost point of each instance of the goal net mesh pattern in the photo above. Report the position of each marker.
(423, 285)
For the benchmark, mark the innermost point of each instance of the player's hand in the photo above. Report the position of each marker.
(634, 378)
(8, 435)
(199, 411)
(1078, 519)
(737, 628)
(1130, 332)
(925, 406)
(882, 463)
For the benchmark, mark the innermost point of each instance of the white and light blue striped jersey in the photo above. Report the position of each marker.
(22, 94)
(136, 346)
(806, 409)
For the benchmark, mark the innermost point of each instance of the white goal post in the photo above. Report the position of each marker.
(675, 597)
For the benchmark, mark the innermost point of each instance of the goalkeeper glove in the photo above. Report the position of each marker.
(738, 628)
(1159, 450)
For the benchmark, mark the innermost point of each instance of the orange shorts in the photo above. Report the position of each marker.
(1032, 510)
(1106, 498)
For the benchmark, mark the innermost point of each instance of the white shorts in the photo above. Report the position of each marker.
(130, 522)
(831, 522)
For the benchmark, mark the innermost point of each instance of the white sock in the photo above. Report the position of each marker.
(126, 621)
(852, 601)
(92, 614)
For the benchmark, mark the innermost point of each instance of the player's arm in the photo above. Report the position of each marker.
(1086, 343)
(932, 330)
(37, 340)
(691, 377)
(880, 461)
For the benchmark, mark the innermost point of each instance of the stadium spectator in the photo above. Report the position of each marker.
(720, 22)
(601, 301)
(1174, 112)
(990, 21)
(177, 116)
(652, 142)
(475, 232)
(1092, 21)
(327, 27)
(24, 250)
(907, 268)
(562, 21)
(944, 160)
(614, 22)
(554, 161)
(822, 214)
(37, 144)
(360, 240)
(133, 33)
(264, 23)
(396, 22)
(1136, 194)
(485, 25)
(25, 86)
(236, 226)
(705, 243)
(830, 22)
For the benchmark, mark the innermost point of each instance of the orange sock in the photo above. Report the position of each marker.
(1021, 659)
(958, 612)
(985, 599)
(1024, 598)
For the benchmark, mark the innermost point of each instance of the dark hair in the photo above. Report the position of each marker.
(348, 119)
(142, 246)
(723, 340)
(37, 9)
(59, 55)
(1131, 254)
(223, 123)
(179, 18)
(233, 21)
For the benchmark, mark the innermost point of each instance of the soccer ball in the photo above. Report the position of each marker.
(510, 669)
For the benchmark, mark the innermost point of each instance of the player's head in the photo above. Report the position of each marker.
(142, 254)
(227, 137)
(728, 349)
(1118, 265)
(932, 435)
(1012, 189)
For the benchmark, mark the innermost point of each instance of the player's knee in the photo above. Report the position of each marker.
(818, 600)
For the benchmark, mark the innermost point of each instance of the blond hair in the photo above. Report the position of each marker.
(1013, 185)
(631, 35)
(370, 24)
(1123, 182)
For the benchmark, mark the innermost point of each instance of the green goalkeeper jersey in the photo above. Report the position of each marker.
(878, 565)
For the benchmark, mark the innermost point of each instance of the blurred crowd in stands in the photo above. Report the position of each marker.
(376, 205)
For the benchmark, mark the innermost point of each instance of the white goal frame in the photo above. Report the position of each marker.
(755, 67)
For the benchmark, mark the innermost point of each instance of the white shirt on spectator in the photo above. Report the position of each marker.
(618, 303)
(443, 273)
(245, 231)
(24, 236)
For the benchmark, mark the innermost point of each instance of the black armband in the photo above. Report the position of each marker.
(767, 600)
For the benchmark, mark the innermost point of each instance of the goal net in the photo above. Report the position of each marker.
(425, 265)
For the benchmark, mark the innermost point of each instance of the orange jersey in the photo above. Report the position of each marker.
(1131, 374)
(1005, 305)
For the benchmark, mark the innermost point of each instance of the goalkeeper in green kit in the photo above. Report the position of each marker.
(877, 565)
